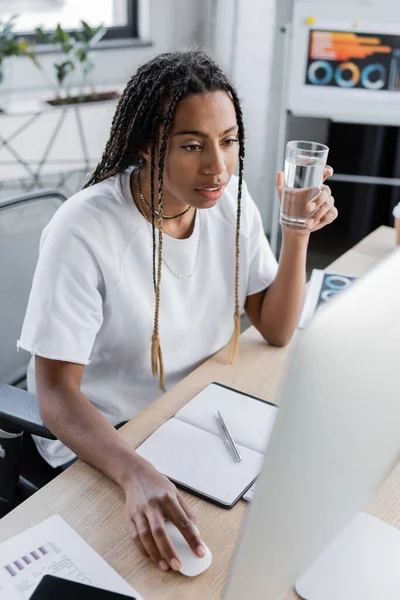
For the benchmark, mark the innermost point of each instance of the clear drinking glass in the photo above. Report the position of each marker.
(304, 171)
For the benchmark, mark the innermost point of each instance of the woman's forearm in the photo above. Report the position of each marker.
(284, 298)
(79, 425)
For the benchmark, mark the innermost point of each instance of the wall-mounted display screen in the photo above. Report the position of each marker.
(353, 60)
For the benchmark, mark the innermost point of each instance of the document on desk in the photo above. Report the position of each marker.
(53, 548)
(191, 451)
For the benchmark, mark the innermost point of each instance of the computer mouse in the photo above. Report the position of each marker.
(192, 565)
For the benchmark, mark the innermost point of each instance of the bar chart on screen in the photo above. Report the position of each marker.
(345, 61)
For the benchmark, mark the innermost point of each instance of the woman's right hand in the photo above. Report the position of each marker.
(151, 499)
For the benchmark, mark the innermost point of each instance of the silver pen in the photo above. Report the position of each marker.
(228, 437)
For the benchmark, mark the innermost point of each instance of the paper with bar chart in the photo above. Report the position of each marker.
(53, 548)
(321, 289)
(354, 60)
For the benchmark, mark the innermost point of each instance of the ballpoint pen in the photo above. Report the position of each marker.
(228, 437)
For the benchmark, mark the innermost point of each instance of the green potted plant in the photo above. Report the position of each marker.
(11, 46)
(76, 48)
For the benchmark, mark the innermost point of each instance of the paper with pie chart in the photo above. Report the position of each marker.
(321, 288)
(353, 60)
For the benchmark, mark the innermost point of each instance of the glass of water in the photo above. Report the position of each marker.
(305, 164)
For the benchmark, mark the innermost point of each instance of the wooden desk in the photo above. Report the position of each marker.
(94, 506)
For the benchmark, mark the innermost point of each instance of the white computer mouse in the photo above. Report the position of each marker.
(192, 565)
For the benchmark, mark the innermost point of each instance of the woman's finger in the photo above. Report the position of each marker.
(323, 210)
(186, 508)
(146, 537)
(327, 219)
(279, 183)
(169, 556)
(319, 200)
(135, 536)
(328, 172)
(179, 518)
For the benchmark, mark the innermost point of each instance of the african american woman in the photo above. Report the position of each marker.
(144, 274)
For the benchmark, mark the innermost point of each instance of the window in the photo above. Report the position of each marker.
(118, 16)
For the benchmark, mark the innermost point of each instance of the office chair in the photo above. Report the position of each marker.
(22, 470)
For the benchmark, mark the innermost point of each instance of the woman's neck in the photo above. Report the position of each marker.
(180, 227)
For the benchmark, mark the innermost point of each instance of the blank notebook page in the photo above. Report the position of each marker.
(200, 460)
(250, 421)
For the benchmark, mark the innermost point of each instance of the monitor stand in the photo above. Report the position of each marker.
(363, 563)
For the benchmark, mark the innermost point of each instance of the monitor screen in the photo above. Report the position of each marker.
(353, 60)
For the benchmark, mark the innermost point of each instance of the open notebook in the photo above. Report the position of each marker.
(191, 451)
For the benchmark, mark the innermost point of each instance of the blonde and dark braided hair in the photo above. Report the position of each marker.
(147, 104)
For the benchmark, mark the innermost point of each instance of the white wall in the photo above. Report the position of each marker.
(274, 156)
(242, 40)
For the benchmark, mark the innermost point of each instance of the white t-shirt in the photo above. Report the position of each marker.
(92, 298)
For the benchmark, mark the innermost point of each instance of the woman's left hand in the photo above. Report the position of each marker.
(323, 206)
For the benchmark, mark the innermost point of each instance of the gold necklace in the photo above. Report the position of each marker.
(143, 203)
(178, 275)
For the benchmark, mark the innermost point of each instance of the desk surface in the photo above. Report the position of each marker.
(94, 506)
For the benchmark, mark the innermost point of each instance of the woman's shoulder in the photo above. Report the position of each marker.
(99, 210)
(88, 203)
(93, 222)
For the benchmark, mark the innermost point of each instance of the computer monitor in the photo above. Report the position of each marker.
(336, 438)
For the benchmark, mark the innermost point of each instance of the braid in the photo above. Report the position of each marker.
(117, 155)
(109, 157)
(154, 138)
(157, 364)
(149, 101)
(234, 343)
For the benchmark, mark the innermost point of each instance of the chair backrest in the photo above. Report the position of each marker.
(22, 221)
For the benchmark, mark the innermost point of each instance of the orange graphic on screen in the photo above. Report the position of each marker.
(343, 46)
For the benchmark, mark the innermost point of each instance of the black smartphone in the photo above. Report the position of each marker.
(55, 587)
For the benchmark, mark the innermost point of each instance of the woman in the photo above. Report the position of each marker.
(144, 273)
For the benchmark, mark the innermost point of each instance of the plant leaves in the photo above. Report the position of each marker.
(63, 69)
(82, 54)
(44, 36)
(87, 30)
(64, 39)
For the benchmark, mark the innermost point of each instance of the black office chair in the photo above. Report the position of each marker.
(22, 470)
